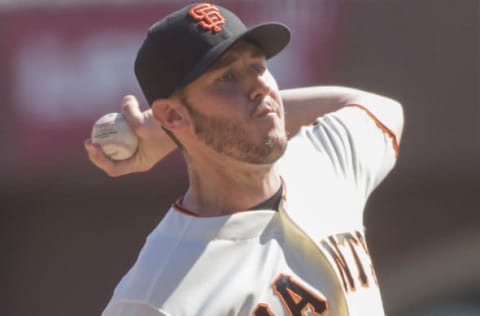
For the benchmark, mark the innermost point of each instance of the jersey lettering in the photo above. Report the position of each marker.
(351, 257)
(263, 310)
(296, 299)
(362, 241)
(349, 254)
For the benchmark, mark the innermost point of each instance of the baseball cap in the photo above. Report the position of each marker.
(181, 46)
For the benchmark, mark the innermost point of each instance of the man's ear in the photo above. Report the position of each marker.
(169, 114)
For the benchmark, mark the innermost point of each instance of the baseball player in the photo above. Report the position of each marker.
(272, 220)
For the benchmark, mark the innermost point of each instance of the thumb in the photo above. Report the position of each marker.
(131, 110)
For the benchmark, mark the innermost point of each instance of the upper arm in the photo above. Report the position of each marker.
(359, 146)
(304, 105)
(384, 111)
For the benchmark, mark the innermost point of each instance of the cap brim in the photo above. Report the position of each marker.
(271, 38)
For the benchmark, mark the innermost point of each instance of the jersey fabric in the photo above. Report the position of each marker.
(308, 258)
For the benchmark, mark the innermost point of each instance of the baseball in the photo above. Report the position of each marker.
(114, 135)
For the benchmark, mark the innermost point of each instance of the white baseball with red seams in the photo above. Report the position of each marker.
(115, 136)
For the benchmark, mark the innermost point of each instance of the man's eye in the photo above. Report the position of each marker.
(228, 76)
(260, 69)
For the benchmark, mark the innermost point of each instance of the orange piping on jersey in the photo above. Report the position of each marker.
(178, 206)
(178, 203)
(382, 126)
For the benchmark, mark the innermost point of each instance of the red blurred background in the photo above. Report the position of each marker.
(69, 232)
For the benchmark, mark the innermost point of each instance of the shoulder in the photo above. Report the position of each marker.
(351, 130)
(132, 308)
(148, 271)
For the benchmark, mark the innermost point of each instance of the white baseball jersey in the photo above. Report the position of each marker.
(307, 258)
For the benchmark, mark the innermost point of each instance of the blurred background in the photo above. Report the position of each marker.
(68, 232)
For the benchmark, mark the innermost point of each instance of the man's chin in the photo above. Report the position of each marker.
(277, 147)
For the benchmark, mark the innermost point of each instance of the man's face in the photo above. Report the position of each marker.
(236, 108)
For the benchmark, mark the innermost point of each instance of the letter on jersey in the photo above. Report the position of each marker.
(352, 259)
(297, 300)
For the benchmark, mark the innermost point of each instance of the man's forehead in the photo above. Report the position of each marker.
(245, 46)
(234, 52)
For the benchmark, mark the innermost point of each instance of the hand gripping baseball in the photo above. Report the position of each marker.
(153, 143)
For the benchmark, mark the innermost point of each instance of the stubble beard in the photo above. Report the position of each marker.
(228, 137)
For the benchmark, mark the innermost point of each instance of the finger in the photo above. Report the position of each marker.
(99, 159)
(131, 110)
(95, 154)
(109, 166)
(90, 147)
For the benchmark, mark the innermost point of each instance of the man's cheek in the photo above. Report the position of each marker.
(270, 80)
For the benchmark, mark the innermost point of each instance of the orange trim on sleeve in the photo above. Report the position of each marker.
(380, 125)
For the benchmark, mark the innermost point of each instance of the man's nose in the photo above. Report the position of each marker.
(259, 87)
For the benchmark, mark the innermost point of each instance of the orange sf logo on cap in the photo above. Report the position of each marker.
(208, 17)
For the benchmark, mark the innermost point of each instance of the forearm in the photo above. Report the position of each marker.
(304, 105)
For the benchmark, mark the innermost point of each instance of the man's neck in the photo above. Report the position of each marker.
(225, 188)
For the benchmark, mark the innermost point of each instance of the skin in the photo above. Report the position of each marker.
(233, 122)
(229, 136)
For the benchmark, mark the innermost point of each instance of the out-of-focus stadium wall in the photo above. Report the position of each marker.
(69, 232)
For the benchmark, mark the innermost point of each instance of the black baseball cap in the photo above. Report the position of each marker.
(181, 46)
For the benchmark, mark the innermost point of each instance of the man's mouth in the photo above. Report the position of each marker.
(264, 108)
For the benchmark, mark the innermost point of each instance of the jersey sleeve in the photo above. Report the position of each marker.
(132, 308)
(360, 146)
